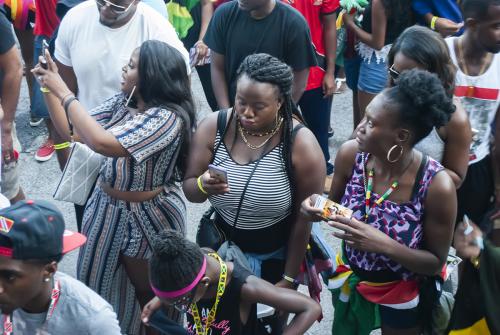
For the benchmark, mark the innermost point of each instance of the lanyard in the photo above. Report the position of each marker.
(221, 286)
(8, 324)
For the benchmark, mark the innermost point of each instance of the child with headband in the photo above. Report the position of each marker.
(199, 282)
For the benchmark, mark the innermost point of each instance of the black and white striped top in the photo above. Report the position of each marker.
(268, 198)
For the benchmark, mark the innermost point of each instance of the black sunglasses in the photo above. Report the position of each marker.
(393, 73)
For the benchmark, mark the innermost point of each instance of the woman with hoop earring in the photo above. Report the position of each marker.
(404, 208)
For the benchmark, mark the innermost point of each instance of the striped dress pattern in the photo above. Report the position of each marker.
(114, 227)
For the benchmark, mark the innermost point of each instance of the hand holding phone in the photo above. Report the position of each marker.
(43, 62)
(218, 172)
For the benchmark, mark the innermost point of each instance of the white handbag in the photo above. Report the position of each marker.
(79, 175)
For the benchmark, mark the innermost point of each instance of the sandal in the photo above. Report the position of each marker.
(341, 85)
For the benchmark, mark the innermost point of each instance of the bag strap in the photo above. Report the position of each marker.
(233, 227)
(221, 129)
(420, 174)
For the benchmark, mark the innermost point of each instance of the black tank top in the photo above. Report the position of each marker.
(398, 20)
(227, 319)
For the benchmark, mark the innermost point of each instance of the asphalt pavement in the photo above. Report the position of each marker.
(39, 180)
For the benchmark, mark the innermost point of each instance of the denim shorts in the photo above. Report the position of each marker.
(372, 75)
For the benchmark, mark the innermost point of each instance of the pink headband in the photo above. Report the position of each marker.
(182, 291)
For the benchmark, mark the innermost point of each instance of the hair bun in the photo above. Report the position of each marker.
(426, 93)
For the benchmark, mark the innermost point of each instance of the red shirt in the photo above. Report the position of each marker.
(312, 10)
(46, 20)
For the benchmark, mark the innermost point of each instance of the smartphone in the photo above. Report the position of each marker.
(218, 172)
(330, 208)
(45, 46)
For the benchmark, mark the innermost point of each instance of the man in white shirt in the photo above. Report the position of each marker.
(95, 40)
(477, 84)
(36, 298)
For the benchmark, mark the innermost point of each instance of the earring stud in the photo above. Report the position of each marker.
(46, 280)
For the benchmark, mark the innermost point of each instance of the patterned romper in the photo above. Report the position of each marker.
(402, 222)
(115, 227)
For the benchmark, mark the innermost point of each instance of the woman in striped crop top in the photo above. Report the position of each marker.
(403, 204)
(282, 167)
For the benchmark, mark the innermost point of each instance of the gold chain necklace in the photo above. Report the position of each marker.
(255, 147)
(484, 62)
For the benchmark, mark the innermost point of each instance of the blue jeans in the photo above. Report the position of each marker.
(316, 112)
(38, 107)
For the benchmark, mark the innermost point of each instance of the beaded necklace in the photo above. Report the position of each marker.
(368, 194)
(369, 187)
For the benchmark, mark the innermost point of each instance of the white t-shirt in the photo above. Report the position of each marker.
(79, 310)
(480, 97)
(97, 53)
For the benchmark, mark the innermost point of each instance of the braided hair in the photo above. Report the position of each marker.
(175, 261)
(265, 68)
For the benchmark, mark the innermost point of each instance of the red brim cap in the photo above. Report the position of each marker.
(72, 241)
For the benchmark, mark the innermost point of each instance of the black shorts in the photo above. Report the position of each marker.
(476, 195)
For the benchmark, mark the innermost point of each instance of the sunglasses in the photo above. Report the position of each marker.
(114, 8)
(393, 73)
(182, 304)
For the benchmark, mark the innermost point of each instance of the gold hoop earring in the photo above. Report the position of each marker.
(389, 153)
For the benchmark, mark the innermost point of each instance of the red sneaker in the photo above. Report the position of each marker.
(45, 152)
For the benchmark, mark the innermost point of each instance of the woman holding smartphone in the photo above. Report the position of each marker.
(272, 164)
(403, 204)
(144, 133)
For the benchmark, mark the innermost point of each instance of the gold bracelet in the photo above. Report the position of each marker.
(433, 22)
(200, 186)
(475, 261)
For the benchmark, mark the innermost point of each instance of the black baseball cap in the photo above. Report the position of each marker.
(34, 229)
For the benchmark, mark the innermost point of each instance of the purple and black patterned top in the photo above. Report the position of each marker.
(402, 222)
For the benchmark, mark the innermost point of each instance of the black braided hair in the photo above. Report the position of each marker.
(175, 261)
(265, 68)
(422, 102)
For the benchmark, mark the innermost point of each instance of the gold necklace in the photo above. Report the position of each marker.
(484, 62)
(255, 147)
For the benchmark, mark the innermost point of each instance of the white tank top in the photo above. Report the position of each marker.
(480, 97)
(432, 145)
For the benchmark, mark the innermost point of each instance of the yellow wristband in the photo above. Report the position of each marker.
(44, 90)
(433, 22)
(289, 279)
(200, 186)
(62, 145)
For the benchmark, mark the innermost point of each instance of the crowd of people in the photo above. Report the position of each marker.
(417, 184)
